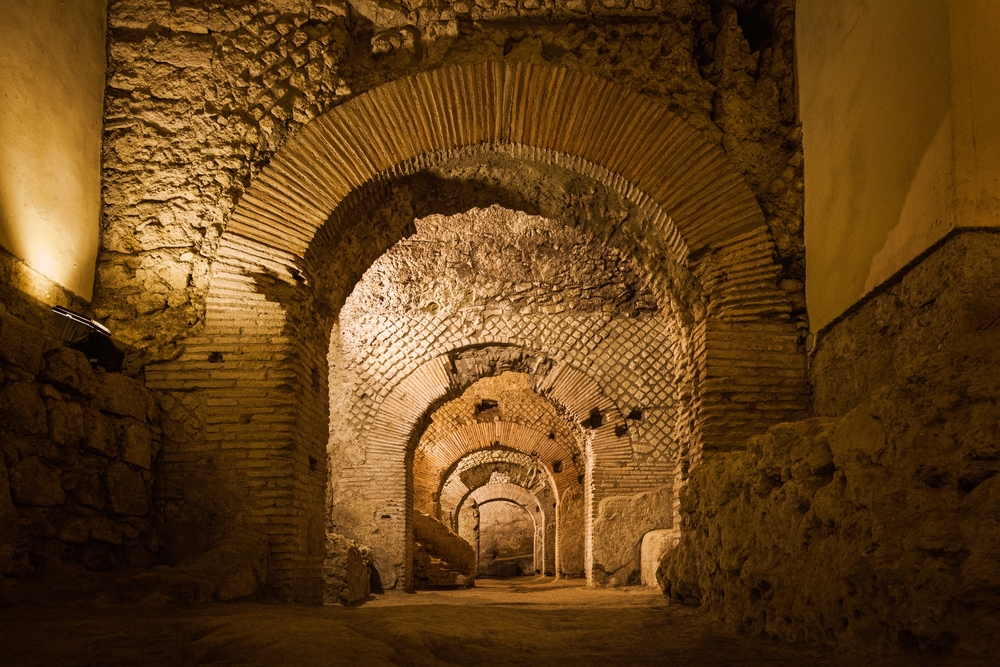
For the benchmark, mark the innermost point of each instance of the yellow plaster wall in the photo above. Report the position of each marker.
(52, 71)
(875, 91)
(975, 52)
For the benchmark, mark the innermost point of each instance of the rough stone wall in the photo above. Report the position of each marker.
(506, 540)
(872, 527)
(949, 292)
(78, 449)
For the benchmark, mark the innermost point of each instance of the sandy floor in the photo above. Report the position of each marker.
(530, 621)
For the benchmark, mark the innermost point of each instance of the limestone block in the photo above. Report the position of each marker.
(235, 567)
(100, 434)
(123, 396)
(36, 522)
(104, 529)
(22, 410)
(89, 491)
(66, 422)
(442, 543)
(34, 483)
(135, 443)
(346, 571)
(655, 544)
(20, 344)
(619, 527)
(76, 530)
(126, 490)
(69, 370)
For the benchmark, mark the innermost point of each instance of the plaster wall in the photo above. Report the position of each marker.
(975, 29)
(875, 105)
(52, 65)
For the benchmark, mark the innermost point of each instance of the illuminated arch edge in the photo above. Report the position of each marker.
(536, 111)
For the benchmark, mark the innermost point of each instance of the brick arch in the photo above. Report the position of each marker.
(594, 123)
(452, 489)
(472, 438)
(543, 519)
(259, 420)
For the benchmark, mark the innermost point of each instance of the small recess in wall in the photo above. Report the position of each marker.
(557, 466)
(595, 420)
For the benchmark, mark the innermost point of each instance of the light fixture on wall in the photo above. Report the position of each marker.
(92, 338)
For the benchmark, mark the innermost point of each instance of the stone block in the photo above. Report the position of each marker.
(22, 410)
(123, 396)
(135, 443)
(100, 434)
(104, 529)
(69, 370)
(126, 490)
(345, 571)
(89, 490)
(655, 544)
(34, 483)
(76, 530)
(66, 422)
(36, 522)
(21, 344)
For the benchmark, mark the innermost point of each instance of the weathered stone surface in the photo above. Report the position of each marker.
(21, 409)
(100, 434)
(874, 531)
(135, 443)
(126, 490)
(442, 543)
(123, 396)
(76, 530)
(622, 521)
(89, 490)
(506, 540)
(949, 294)
(69, 370)
(66, 422)
(20, 344)
(346, 571)
(104, 529)
(35, 483)
(655, 545)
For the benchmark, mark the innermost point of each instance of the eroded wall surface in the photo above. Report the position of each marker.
(872, 528)
(52, 68)
(78, 449)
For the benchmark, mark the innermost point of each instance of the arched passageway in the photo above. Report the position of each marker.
(632, 368)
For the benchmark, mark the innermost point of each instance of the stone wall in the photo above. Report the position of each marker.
(506, 540)
(873, 527)
(78, 448)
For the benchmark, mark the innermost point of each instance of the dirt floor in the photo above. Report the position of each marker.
(527, 621)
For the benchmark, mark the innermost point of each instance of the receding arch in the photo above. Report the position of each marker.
(538, 106)
(263, 318)
(542, 517)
